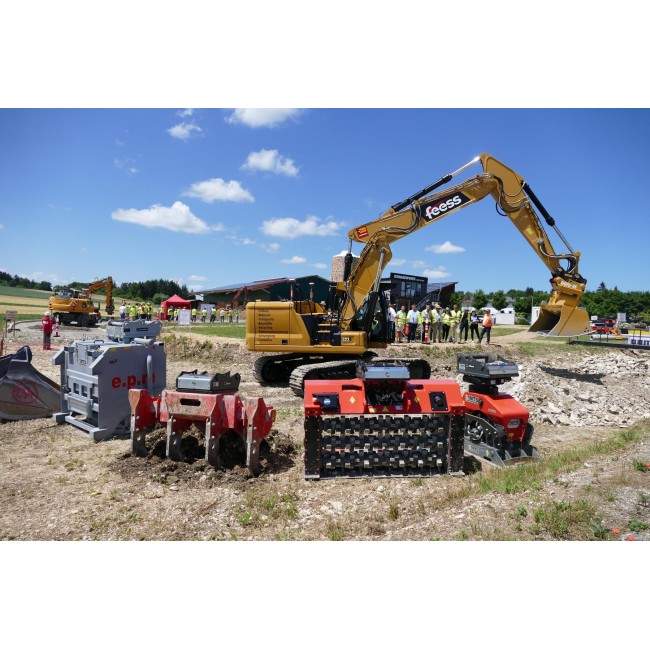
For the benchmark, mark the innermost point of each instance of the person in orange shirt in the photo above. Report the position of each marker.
(487, 326)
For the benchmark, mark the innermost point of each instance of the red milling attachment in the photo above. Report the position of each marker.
(216, 414)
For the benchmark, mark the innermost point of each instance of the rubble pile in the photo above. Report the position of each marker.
(601, 390)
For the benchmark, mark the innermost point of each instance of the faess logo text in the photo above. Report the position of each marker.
(440, 207)
(568, 285)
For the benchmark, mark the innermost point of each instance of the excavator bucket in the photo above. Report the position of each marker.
(561, 320)
(25, 393)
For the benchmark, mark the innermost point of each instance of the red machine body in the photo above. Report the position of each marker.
(501, 409)
(384, 424)
(216, 414)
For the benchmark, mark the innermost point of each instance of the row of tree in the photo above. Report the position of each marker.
(601, 302)
(8, 280)
(154, 291)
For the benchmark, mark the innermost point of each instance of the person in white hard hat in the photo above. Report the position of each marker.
(46, 323)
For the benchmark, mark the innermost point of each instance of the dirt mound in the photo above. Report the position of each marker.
(277, 454)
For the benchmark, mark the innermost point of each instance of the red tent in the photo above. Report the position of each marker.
(174, 301)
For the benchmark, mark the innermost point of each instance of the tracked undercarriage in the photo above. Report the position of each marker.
(298, 368)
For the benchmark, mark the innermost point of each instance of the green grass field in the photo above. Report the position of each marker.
(24, 293)
(231, 330)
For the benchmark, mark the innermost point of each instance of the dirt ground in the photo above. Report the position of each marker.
(56, 484)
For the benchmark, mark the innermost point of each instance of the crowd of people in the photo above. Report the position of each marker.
(145, 311)
(435, 324)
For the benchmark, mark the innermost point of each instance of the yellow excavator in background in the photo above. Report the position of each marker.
(76, 305)
(322, 343)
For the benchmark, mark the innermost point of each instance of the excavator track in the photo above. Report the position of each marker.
(278, 368)
(346, 369)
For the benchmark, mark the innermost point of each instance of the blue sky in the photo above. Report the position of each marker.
(211, 197)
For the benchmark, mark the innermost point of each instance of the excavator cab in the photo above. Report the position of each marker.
(372, 318)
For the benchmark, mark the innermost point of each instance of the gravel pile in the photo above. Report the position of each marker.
(598, 391)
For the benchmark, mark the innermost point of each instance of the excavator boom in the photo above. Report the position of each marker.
(561, 315)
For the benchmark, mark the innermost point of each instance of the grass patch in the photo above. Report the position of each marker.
(264, 504)
(25, 293)
(636, 526)
(531, 475)
(184, 348)
(393, 509)
(564, 520)
(335, 531)
(510, 329)
(229, 330)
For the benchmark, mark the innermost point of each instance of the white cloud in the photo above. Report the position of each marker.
(396, 261)
(1, 226)
(256, 117)
(127, 165)
(296, 259)
(270, 160)
(271, 248)
(184, 130)
(446, 248)
(437, 273)
(216, 189)
(40, 276)
(197, 278)
(241, 241)
(319, 265)
(177, 218)
(419, 264)
(290, 228)
(186, 112)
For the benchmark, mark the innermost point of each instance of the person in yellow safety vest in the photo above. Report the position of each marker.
(463, 325)
(446, 322)
(204, 314)
(424, 323)
(400, 320)
(149, 309)
(133, 312)
(236, 315)
(222, 314)
(176, 313)
(194, 314)
(213, 314)
(454, 322)
(436, 324)
(230, 312)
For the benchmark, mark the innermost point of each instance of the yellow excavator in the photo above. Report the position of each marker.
(324, 343)
(76, 305)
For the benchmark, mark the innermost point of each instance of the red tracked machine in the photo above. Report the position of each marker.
(382, 423)
(496, 425)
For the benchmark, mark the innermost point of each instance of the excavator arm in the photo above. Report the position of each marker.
(560, 316)
(106, 283)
